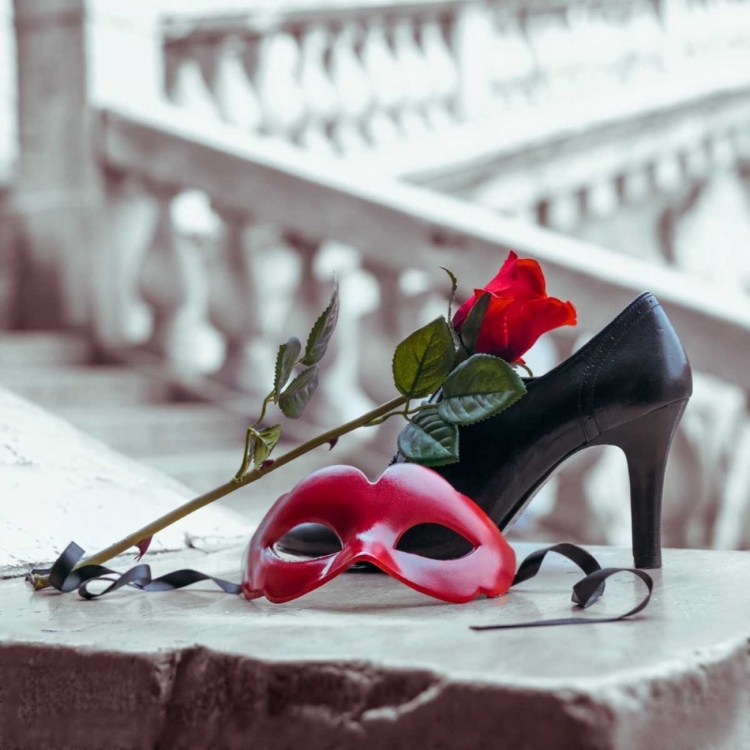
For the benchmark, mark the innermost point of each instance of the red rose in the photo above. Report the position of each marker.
(519, 312)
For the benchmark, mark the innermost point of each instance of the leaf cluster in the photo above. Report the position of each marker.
(301, 368)
(293, 398)
(473, 388)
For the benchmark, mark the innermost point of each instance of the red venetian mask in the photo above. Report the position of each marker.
(369, 519)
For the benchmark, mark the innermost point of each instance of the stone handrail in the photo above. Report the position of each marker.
(396, 227)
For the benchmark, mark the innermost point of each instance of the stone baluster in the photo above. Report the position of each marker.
(441, 67)
(186, 78)
(236, 310)
(175, 283)
(609, 26)
(278, 85)
(122, 318)
(602, 197)
(636, 184)
(696, 24)
(645, 38)
(743, 143)
(586, 70)
(581, 63)
(234, 95)
(416, 75)
(721, 35)
(675, 19)
(514, 67)
(353, 89)
(474, 45)
(342, 384)
(697, 162)
(340, 396)
(711, 41)
(307, 302)
(732, 525)
(383, 329)
(384, 76)
(723, 151)
(563, 212)
(550, 38)
(668, 173)
(321, 101)
(253, 291)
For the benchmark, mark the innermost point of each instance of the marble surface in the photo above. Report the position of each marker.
(366, 659)
(58, 485)
(362, 662)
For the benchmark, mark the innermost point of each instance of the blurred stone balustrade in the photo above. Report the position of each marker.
(181, 180)
(559, 112)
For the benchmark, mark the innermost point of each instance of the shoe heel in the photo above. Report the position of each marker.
(646, 442)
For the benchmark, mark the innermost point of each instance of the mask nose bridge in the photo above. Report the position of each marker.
(380, 553)
(339, 500)
(431, 501)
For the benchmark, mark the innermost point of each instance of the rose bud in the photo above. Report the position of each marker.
(519, 311)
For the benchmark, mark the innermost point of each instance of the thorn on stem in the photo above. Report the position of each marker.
(268, 462)
(143, 546)
(332, 443)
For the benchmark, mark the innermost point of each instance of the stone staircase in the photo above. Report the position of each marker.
(139, 415)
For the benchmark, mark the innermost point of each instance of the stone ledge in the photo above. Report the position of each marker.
(366, 661)
(58, 485)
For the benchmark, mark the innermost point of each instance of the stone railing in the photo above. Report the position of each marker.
(555, 111)
(398, 227)
(207, 244)
(209, 285)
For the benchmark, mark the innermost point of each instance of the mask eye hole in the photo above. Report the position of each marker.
(308, 540)
(434, 541)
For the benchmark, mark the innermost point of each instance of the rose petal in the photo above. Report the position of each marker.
(518, 279)
(530, 279)
(463, 312)
(521, 326)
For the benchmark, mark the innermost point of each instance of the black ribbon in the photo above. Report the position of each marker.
(585, 592)
(65, 577)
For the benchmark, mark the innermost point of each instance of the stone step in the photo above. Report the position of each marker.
(39, 348)
(151, 430)
(57, 485)
(98, 385)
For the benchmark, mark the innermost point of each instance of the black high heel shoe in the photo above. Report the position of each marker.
(628, 386)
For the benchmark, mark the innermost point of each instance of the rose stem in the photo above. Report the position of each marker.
(225, 489)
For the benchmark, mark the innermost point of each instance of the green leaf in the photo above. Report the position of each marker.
(285, 359)
(317, 341)
(429, 441)
(473, 322)
(295, 398)
(479, 388)
(264, 442)
(423, 360)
